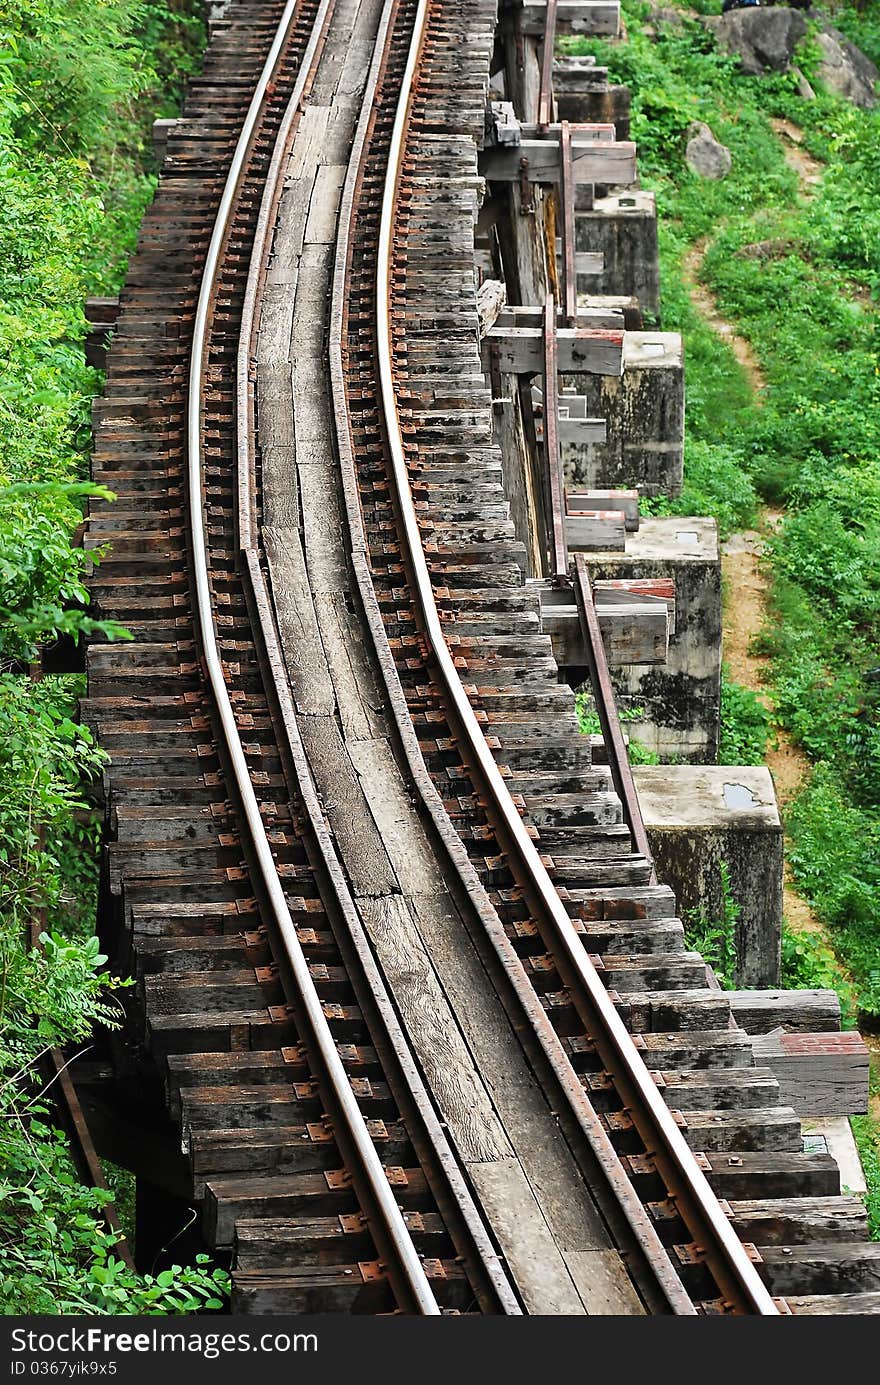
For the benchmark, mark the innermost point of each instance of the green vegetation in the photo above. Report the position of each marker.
(79, 85)
(745, 724)
(868, 1144)
(589, 724)
(715, 939)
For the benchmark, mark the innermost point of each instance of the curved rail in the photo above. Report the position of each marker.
(734, 1272)
(410, 1265)
(248, 542)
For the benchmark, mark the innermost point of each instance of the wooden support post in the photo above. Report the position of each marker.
(545, 92)
(552, 449)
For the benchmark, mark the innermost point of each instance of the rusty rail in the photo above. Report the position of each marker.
(606, 709)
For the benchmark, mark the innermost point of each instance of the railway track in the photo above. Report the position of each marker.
(393, 937)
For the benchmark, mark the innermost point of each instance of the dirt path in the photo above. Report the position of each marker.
(808, 169)
(745, 612)
(705, 304)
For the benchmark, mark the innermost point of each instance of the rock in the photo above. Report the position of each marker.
(764, 40)
(804, 90)
(705, 155)
(845, 70)
(766, 250)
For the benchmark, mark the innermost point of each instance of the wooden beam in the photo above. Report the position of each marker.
(626, 500)
(594, 317)
(757, 1012)
(632, 633)
(818, 1074)
(572, 17)
(596, 531)
(592, 160)
(594, 130)
(520, 350)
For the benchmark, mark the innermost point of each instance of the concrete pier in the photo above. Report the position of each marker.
(622, 227)
(644, 413)
(696, 817)
(681, 700)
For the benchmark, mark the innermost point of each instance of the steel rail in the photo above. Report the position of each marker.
(735, 1275)
(380, 1189)
(248, 546)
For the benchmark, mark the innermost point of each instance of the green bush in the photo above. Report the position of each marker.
(745, 724)
(77, 84)
(715, 939)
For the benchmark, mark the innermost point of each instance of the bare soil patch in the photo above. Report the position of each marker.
(705, 304)
(809, 170)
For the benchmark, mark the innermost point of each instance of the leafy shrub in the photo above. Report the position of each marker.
(715, 939)
(835, 851)
(868, 1143)
(76, 83)
(745, 724)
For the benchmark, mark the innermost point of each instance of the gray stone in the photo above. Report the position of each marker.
(623, 229)
(705, 155)
(680, 700)
(764, 39)
(699, 816)
(845, 70)
(804, 90)
(644, 415)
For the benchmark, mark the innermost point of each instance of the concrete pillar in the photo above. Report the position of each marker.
(681, 699)
(697, 816)
(623, 228)
(644, 412)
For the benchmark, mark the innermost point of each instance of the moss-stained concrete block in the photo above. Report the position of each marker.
(697, 816)
(644, 414)
(623, 228)
(681, 699)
